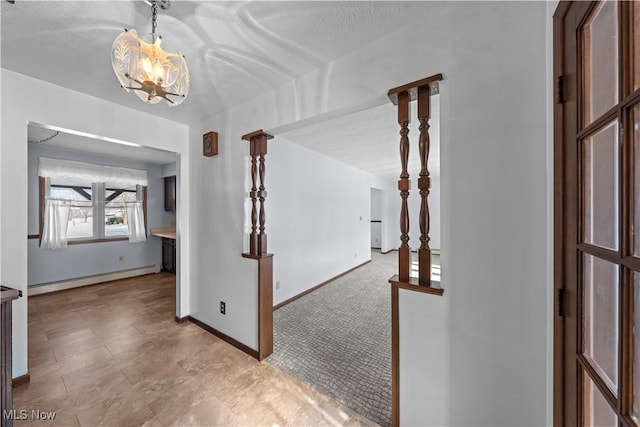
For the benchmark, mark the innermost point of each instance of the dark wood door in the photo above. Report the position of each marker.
(597, 209)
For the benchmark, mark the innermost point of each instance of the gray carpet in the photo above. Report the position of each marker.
(338, 339)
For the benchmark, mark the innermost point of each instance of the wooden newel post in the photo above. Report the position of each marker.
(404, 251)
(258, 194)
(401, 96)
(258, 242)
(424, 252)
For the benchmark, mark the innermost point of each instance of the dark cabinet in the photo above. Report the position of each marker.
(170, 193)
(168, 255)
(7, 295)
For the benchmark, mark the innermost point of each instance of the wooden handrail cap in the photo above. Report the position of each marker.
(412, 88)
(257, 133)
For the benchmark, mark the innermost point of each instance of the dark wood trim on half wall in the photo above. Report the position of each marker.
(395, 357)
(326, 282)
(265, 303)
(396, 285)
(23, 379)
(237, 344)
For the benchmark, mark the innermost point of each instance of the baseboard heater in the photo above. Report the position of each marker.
(45, 288)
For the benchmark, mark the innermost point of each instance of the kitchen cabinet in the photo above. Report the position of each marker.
(168, 255)
(170, 193)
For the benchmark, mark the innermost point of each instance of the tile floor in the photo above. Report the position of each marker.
(112, 354)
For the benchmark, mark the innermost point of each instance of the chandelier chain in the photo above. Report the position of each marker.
(154, 17)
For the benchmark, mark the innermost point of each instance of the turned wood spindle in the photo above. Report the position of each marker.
(253, 237)
(257, 151)
(258, 242)
(404, 252)
(424, 252)
(262, 236)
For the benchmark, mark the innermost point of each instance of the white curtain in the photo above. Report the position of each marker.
(135, 218)
(56, 220)
(114, 176)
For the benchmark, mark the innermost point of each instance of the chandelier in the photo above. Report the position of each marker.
(143, 66)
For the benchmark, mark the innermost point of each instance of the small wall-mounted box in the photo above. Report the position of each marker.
(210, 144)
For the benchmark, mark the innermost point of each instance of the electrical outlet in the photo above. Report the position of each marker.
(121, 258)
(223, 307)
(277, 285)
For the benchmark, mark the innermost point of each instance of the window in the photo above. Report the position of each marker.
(111, 206)
(116, 221)
(81, 211)
(98, 199)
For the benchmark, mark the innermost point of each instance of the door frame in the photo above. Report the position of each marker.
(566, 310)
(558, 213)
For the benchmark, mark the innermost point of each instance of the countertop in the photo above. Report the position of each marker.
(169, 233)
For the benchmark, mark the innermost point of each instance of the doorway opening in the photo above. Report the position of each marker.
(376, 218)
(89, 174)
(333, 193)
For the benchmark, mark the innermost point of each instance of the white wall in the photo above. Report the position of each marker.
(551, 7)
(317, 210)
(376, 204)
(75, 261)
(26, 99)
(494, 205)
(424, 392)
(493, 197)
(219, 272)
(169, 169)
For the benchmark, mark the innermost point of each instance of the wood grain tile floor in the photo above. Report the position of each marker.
(112, 354)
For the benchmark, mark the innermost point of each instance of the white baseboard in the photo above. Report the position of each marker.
(91, 280)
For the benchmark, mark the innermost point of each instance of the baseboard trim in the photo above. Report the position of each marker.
(237, 344)
(326, 282)
(22, 379)
(91, 280)
(433, 251)
(182, 319)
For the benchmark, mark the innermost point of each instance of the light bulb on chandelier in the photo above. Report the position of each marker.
(142, 65)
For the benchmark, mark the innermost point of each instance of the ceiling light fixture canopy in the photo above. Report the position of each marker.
(143, 66)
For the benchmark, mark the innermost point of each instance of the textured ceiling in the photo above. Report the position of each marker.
(369, 140)
(234, 49)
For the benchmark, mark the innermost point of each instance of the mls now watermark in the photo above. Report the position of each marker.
(23, 414)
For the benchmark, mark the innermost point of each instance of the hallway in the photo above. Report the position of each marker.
(338, 338)
(112, 354)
